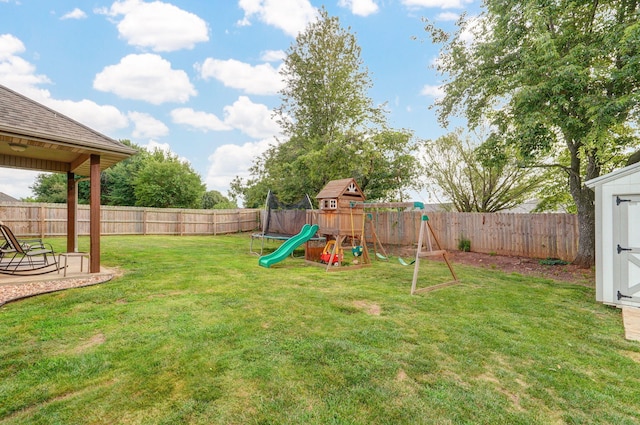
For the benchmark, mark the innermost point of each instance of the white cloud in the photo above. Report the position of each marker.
(10, 45)
(273, 55)
(74, 14)
(20, 75)
(15, 182)
(160, 26)
(360, 7)
(253, 119)
(102, 118)
(291, 16)
(147, 126)
(153, 145)
(433, 91)
(198, 120)
(261, 79)
(442, 4)
(447, 16)
(472, 29)
(16, 72)
(229, 161)
(145, 77)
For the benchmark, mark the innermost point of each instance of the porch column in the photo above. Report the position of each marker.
(72, 202)
(94, 214)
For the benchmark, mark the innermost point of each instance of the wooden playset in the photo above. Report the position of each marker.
(341, 219)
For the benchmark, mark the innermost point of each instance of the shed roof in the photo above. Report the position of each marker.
(52, 141)
(338, 188)
(614, 175)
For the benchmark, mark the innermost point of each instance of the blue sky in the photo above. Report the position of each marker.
(200, 78)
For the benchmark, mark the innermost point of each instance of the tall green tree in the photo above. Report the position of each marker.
(253, 192)
(168, 183)
(116, 183)
(119, 180)
(478, 177)
(50, 188)
(150, 179)
(553, 77)
(213, 199)
(331, 127)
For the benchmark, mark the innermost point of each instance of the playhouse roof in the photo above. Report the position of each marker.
(615, 175)
(338, 188)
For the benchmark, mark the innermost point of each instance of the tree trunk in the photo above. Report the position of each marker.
(585, 203)
(586, 230)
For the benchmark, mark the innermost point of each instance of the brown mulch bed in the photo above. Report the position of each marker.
(511, 264)
(525, 266)
(20, 290)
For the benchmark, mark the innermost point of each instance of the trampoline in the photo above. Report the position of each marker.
(281, 221)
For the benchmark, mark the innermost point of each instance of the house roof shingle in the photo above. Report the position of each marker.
(54, 142)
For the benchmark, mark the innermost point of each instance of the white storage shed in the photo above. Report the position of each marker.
(617, 203)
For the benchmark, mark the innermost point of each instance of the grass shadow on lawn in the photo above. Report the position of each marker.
(196, 332)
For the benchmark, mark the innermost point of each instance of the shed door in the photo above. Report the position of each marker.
(627, 247)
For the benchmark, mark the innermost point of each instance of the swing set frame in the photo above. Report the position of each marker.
(424, 241)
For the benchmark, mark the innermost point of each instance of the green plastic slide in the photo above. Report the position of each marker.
(306, 233)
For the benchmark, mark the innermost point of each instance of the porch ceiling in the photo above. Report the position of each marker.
(47, 155)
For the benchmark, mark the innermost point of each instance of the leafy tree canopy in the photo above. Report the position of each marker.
(480, 177)
(332, 128)
(558, 79)
(153, 179)
(168, 182)
(119, 187)
(213, 199)
(50, 188)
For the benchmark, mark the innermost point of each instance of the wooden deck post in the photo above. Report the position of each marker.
(72, 211)
(94, 215)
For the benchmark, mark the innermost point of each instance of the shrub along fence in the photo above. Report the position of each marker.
(527, 235)
(29, 219)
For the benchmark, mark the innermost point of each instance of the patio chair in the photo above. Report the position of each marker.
(6, 246)
(25, 257)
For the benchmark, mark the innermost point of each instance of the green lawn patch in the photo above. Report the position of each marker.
(195, 332)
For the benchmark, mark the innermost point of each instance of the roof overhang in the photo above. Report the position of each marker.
(37, 152)
(617, 174)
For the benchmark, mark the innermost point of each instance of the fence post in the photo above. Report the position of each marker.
(42, 222)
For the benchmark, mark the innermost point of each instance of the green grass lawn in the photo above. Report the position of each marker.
(195, 332)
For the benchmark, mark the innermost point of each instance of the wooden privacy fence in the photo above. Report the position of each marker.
(526, 235)
(42, 220)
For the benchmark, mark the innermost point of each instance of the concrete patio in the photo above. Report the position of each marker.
(17, 287)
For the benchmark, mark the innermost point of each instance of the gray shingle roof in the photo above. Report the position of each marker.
(22, 115)
(6, 198)
(25, 121)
